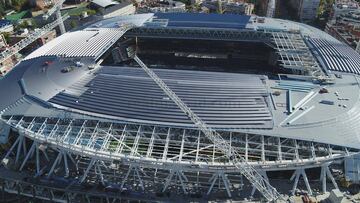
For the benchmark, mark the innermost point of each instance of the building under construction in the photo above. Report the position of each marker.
(198, 106)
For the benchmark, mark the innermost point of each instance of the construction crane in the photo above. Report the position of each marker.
(254, 177)
(37, 33)
(271, 8)
(56, 8)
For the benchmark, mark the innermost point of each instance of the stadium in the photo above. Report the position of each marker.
(180, 106)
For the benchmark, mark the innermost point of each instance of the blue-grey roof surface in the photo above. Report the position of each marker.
(4, 23)
(337, 56)
(204, 20)
(220, 99)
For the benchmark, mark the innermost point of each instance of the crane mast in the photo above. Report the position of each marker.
(254, 177)
(57, 10)
(271, 8)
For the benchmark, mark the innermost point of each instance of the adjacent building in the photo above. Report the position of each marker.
(41, 3)
(162, 6)
(343, 7)
(120, 9)
(109, 8)
(6, 26)
(229, 7)
(345, 23)
(306, 9)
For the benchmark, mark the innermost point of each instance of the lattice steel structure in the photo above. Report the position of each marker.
(194, 33)
(149, 156)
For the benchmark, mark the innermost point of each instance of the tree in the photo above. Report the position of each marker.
(2, 10)
(18, 5)
(34, 24)
(91, 12)
(24, 24)
(73, 24)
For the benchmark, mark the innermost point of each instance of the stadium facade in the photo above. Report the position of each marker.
(80, 120)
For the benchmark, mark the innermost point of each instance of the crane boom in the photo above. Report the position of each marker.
(29, 39)
(254, 177)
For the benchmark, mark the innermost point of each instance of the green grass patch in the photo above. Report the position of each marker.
(17, 16)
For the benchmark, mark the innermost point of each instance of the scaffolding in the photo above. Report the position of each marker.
(294, 54)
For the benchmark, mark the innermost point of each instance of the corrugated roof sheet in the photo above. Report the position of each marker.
(84, 43)
(337, 56)
(221, 99)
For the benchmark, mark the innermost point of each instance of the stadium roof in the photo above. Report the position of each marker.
(204, 20)
(118, 93)
(139, 98)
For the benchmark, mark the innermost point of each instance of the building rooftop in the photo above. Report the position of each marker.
(104, 3)
(4, 23)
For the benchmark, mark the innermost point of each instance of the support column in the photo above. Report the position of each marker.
(167, 183)
(323, 178)
(28, 155)
(326, 173)
(92, 162)
(220, 176)
(20, 144)
(226, 183)
(126, 177)
(297, 174)
(56, 162)
(306, 181)
(264, 175)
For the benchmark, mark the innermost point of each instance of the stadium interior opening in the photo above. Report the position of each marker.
(195, 54)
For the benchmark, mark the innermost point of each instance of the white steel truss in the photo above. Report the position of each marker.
(81, 170)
